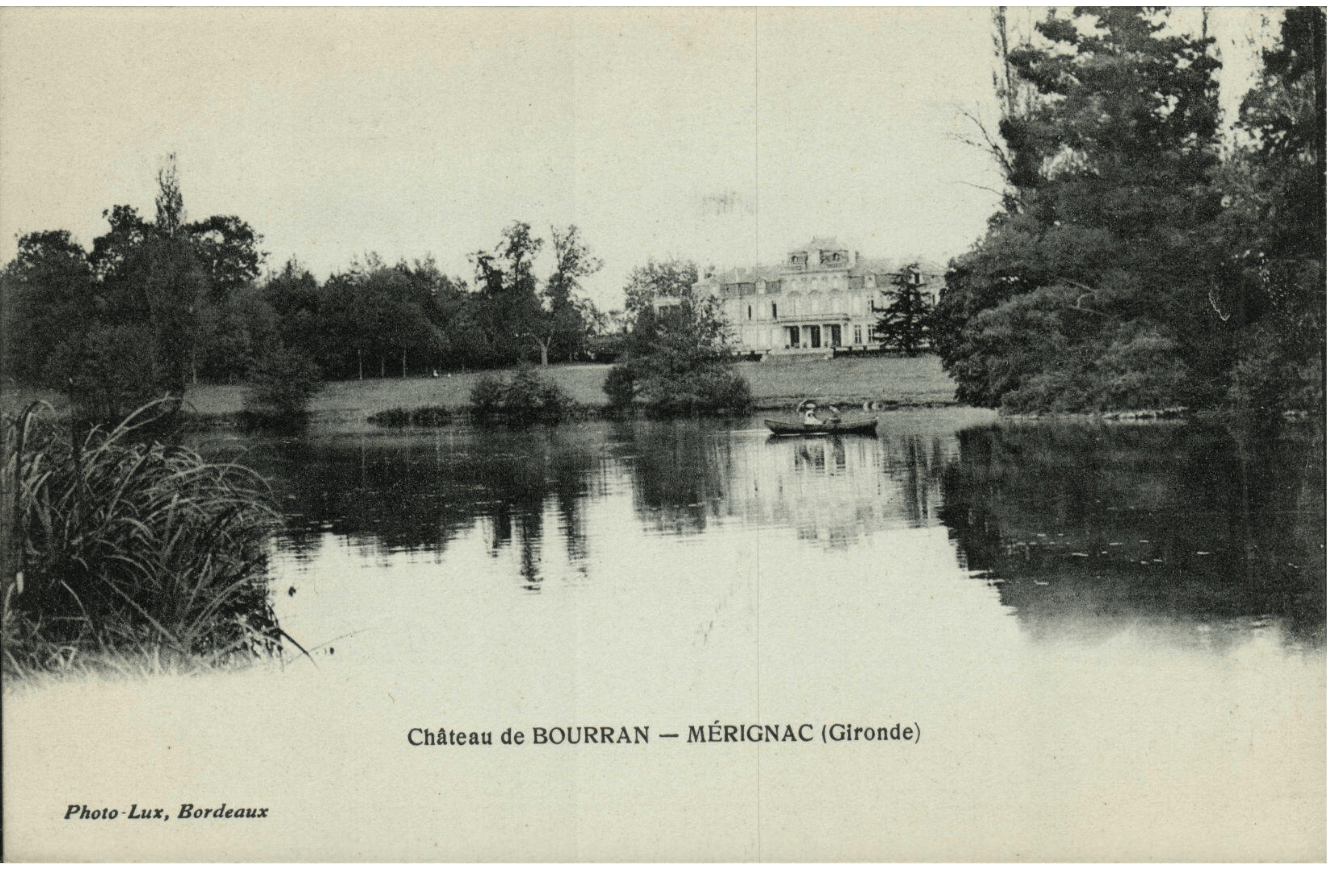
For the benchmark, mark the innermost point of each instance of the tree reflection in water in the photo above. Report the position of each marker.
(1079, 527)
(416, 491)
(681, 472)
(1098, 527)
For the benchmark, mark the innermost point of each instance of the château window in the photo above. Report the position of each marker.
(856, 334)
(774, 310)
(748, 312)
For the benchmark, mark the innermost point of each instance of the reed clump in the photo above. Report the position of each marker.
(120, 545)
(429, 416)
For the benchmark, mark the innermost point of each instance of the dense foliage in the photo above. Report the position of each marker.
(157, 305)
(527, 397)
(128, 321)
(677, 361)
(1131, 266)
(281, 385)
(380, 320)
(1273, 225)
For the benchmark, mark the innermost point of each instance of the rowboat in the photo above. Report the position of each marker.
(795, 429)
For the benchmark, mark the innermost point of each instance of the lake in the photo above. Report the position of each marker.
(1196, 533)
(1108, 640)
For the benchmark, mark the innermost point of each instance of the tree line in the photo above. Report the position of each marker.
(1141, 256)
(159, 304)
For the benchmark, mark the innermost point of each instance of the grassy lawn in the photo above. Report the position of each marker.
(774, 384)
(361, 398)
(919, 380)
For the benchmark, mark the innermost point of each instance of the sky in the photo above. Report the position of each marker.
(724, 136)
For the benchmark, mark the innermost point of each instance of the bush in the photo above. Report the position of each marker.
(282, 385)
(130, 546)
(620, 386)
(680, 364)
(400, 417)
(1267, 378)
(710, 389)
(728, 392)
(705, 388)
(527, 398)
(487, 394)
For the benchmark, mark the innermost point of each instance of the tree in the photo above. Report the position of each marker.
(1271, 292)
(678, 363)
(124, 323)
(169, 201)
(173, 286)
(49, 295)
(515, 313)
(112, 250)
(140, 342)
(905, 323)
(509, 304)
(235, 333)
(460, 319)
(283, 383)
(227, 248)
(294, 294)
(377, 313)
(1090, 287)
(562, 323)
(671, 278)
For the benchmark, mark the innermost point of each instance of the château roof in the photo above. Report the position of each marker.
(864, 266)
(745, 275)
(821, 242)
(879, 266)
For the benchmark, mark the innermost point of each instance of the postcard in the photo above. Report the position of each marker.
(662, 434)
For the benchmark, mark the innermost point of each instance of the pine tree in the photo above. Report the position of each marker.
(905, 324)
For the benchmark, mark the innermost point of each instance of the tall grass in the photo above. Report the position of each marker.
(118, 544)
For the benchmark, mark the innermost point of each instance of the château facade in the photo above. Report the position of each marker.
(822, 300)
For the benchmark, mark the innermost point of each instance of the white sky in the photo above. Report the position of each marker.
(725, 136)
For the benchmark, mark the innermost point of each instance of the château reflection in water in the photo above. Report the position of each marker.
(1079, 528)
(833, 490)
(836, 490)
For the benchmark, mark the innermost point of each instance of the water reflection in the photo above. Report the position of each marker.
(836, 490)
(680, 473)
(1079, 529)
(1092, 529)
(417, 491)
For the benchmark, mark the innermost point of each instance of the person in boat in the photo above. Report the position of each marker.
(834, 418)
(809, 417)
